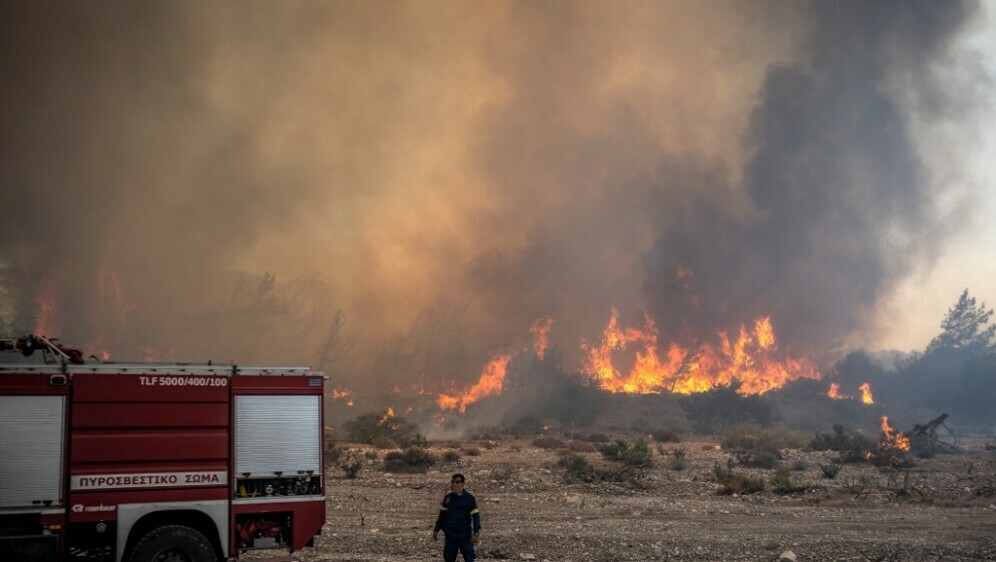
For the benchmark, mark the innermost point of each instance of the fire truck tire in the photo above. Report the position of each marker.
(172, 543)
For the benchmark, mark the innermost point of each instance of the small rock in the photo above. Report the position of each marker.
(788, 555)
(527, 557)
(769, 546)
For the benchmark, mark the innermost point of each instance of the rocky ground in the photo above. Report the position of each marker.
(943, 509)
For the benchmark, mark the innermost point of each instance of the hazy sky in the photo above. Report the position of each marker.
(827, 164)
(968, 260)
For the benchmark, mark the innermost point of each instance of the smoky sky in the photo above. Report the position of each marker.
(188, 181)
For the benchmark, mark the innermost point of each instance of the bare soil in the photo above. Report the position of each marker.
(943, 509)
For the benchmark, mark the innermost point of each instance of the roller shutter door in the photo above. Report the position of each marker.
(31, 431)
(277, 434)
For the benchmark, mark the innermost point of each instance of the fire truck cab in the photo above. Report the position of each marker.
(153, 462)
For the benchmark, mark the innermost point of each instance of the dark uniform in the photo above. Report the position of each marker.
(458, 517)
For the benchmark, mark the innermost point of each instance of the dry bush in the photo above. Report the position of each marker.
(351, 463)
(752, 436)
(665, 436)
(852, 446)
(371, 454)
(759, 458)
(633, 475)
(383, 442)
(576, 468)
(471, 451)
(781, 481)
(740, 484)
(548, 443)
(451, 455)
(638, 454)
(677, 462)
(334, 453)
(503, 472)
(860, 487)
(830, 470)
(411, 460)
(581, 447)
(368, 427)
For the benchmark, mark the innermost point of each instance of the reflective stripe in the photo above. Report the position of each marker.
(444, 509)
(475, 511)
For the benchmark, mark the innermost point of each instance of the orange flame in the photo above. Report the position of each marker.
(749, 361)
(387, 415)
(540, 329)
(344, 393)
(492, 378)
(866, 394)
(893, 438)
(835, 393)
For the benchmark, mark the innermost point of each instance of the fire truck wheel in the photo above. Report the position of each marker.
(172, 543)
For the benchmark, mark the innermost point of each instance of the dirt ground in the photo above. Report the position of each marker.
(945, 509)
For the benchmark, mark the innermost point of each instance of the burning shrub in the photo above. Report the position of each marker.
(889, 458)
(368, 427)
(411, 460)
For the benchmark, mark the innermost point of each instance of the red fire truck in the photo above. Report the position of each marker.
(155, 462)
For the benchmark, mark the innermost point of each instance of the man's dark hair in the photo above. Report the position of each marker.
(458, 475)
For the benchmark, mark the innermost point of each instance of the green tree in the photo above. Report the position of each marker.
(965, 328)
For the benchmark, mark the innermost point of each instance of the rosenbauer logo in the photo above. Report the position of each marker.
(80, 508)
(149, 480)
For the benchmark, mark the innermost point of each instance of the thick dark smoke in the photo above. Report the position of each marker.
(191, 182)
(841, 204)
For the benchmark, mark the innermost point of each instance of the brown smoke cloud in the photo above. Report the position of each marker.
(443, 174)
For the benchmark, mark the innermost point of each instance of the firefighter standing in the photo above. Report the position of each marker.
(460, 520)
